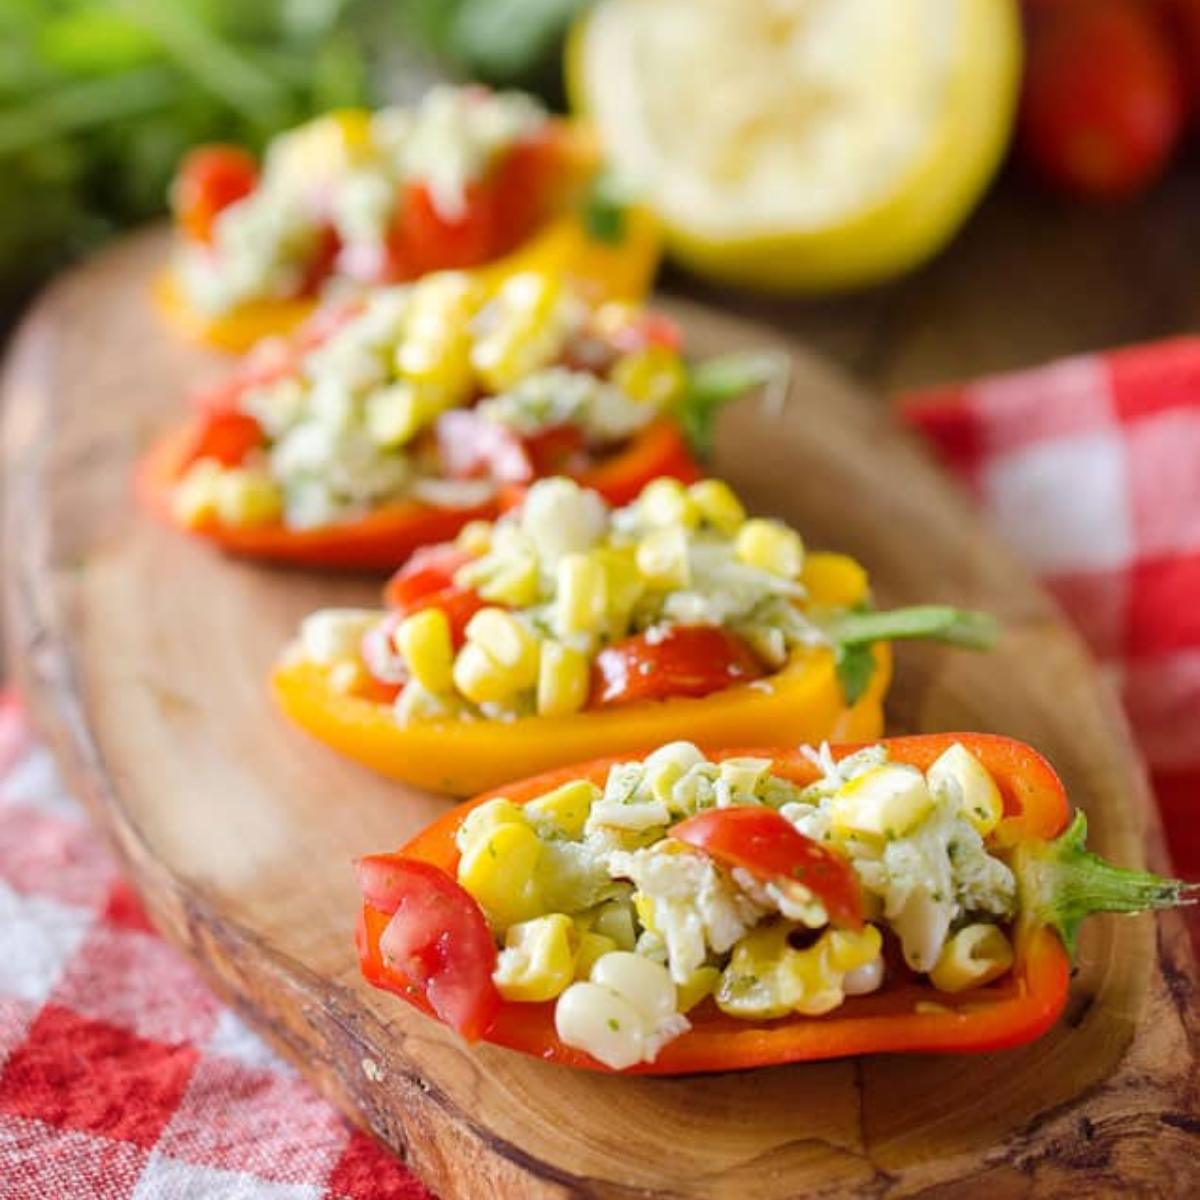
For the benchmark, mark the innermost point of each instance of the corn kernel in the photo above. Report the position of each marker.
(614, 919)
(743, 775)
(394, 414)
(354, 125)
(601, 1023)
(591, 947)
(770, 546)
(666, 766)
(834, 580)
(481, 820)
(480, 678)
(960, 775)
(974, 956)
(566, 808)
(332, 635)
(435, 352)
(424, 641)
(623, 582)
(582, 602)
(850, 949)
(654, 376)
(507, 643)
(246, 496)
(499, 870)
(667, 502)
(696, 987)
(886, 801)
(718, 505)
(538, 959)
(475, 538)
(564, 680)
(767, 978)
(513, 582)
(194, 497)
(527, 333)
(645, 984)
(662, 558)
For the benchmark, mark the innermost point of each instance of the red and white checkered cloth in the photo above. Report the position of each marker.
(122, 1076)
(1090, 469)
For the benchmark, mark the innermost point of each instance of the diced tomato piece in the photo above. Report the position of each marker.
(424, 239)
(437, 942)
(427, 581)
(525, 182)
(226, 435)
(431, 569)
(472, 447)
(686, 660)
(772, 849)
(209, 180)
(557, 450)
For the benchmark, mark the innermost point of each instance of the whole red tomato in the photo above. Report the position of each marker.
(1103, 104)
(1183, 21)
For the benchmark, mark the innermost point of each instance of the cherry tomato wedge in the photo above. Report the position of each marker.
(686, 660)
(210, 180)
(428, 570)
(773, 850)
(427, 581)
(437, 944)
(226, 435)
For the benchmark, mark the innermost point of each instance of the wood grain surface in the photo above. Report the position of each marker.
(144, 655)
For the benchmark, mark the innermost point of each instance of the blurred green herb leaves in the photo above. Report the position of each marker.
(99, 99)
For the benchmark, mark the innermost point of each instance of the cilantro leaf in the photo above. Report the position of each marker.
(715, 382)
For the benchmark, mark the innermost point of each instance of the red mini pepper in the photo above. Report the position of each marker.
(1059, 883)
(380, 539)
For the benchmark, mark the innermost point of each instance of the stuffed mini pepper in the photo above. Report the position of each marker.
(466, 178)
(390, 422)
(569, 629)
(691, 912)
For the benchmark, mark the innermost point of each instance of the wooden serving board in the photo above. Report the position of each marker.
(145, 654)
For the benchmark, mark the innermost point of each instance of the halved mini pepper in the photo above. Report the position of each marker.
(1059, 883)
(804, 702)
(568, 629)
(534, 208)
(391, 421)
(380, 539)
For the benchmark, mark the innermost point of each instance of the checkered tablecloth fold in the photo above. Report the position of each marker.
(122, 1077)
(1090, 469)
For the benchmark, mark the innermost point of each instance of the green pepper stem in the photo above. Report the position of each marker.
(1062, 883)
(936, 622)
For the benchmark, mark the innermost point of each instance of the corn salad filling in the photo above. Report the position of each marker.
(344, 173)
(375, 412)
(596, 907)
(566, 585)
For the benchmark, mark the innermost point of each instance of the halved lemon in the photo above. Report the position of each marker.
(801, 145)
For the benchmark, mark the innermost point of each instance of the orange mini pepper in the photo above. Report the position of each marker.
(1059, 883)
(803, 702)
